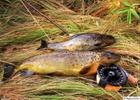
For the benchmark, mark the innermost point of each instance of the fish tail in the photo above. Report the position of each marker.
(8, 71)
(44, 44)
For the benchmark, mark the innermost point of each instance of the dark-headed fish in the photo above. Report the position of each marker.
(81, 42)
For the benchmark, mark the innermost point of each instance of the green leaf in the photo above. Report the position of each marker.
(129, 16)
(126, 3)
(135, 13)
(121, 11)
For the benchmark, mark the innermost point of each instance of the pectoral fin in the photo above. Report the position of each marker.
(93, 69)
(90, 70)
(85, 70)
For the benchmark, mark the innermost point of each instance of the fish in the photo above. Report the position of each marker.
(80, 42)
(69, 63)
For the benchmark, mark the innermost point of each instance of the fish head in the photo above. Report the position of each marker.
(104, 40)
(109, 57)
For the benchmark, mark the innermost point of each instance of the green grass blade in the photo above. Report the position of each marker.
(54, 97)
(70, 88)
(129, 16)
(121, 11)
(126, 3)
(135, 13)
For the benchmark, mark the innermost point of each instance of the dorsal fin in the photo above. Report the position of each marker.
(44, 44)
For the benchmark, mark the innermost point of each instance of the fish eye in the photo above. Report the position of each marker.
(109, 57)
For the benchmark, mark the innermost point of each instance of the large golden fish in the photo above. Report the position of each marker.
(68, 63)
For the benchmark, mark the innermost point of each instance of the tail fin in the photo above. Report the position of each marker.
(8, 70)
(44, 44)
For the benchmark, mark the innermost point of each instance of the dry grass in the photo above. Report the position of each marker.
(23, 38)
(54, 88)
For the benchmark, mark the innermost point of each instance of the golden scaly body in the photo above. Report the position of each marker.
(66, 62)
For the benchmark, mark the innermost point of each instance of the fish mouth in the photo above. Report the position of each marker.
(116, 58)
